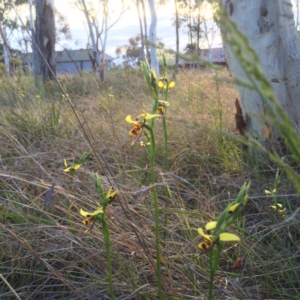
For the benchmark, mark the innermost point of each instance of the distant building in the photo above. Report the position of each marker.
(215, 55)
(70, 61)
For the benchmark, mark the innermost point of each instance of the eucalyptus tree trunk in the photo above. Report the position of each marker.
(152, 38)
(141, 31)
(297, 12)
(30, 16)
(45, 41)
(270, 28)
(30, 62)
(6, 50)
(145, 30)
(177, 35)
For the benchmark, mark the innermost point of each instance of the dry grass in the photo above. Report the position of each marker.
(45, 253)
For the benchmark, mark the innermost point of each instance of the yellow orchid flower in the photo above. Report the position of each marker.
(138, 124)
(161, 106)
(110, 195)
(162, 84)
(90, 217)
(91, 214)
(72, 168)
(210, 239)
(278, 208)
(267, 193)
(143, 144)
(225, 236)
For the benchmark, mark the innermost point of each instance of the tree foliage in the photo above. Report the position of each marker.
(131, 53)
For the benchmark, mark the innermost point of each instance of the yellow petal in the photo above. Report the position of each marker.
(94, 213)
(210, 225)
(172, 84)
(274, 191)
(108, 192)
(279, 205)
(273, 206)
(267, 192)
(163, 103)
(129, 120)
(205, 236)
(148, 116)
(200, 232)
(113, 195)
(153, 74)
(204, 246)
(233, 207)
(67, 170)
(228, 237)
(65, 163)
(77, 167)
(160, 84)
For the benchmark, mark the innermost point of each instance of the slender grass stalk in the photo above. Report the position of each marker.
(219, 104)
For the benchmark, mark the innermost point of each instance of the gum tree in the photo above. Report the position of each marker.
(7, 26)
(45, 41)
(98, 15)
(270, 28)
(152, 37)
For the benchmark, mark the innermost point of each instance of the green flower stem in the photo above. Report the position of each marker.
(156, 213)
(214, 257)
(107, 245)
(166, 167)
(166, 141)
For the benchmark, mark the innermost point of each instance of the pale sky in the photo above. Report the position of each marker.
(128, 26)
